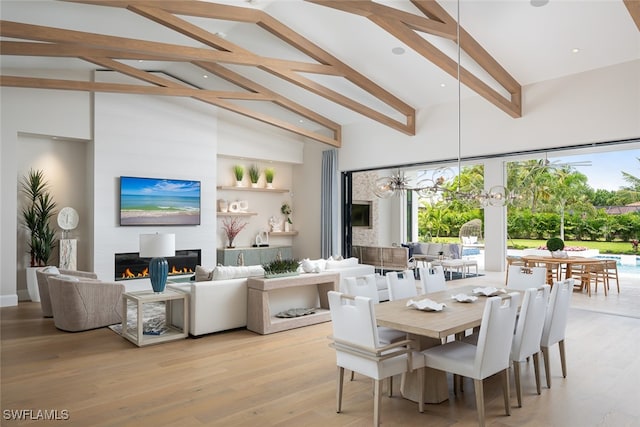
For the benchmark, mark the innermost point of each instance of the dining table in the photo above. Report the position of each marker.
(429, 328)
(568, 262)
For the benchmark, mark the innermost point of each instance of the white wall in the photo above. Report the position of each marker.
(156, 137)
(41, 112)
(601, 105)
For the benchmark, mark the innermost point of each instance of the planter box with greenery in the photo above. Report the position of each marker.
(281, 268)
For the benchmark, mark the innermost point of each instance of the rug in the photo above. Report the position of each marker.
(153, 319)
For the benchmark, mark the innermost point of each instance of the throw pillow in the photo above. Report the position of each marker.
(51, 270)
(223, 272)
(336, 265)
(203, 274)
(68, 278)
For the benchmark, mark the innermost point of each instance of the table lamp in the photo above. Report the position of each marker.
(157, 247)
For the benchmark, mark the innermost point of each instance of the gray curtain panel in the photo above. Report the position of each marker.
(329, 204)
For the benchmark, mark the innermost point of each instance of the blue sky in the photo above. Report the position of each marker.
(605, 171)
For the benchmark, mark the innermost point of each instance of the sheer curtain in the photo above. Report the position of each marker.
(329, 204)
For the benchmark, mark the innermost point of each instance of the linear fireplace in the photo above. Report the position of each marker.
(130, 266)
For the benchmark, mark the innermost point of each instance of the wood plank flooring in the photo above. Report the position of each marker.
(239, 378)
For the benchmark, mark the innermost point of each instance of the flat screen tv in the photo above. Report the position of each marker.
(159, 201)
(361, 214)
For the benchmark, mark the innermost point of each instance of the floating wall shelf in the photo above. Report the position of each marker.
(267, 190)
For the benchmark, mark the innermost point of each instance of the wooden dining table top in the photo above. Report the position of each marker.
(568, 260)
(454, 318)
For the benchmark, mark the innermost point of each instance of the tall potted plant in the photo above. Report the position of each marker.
(36, 214)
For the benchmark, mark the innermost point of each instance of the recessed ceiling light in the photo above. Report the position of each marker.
(538, 3)
(442, 85)
(575, 50)
(220, 34)
(205, 76)
(397, 50)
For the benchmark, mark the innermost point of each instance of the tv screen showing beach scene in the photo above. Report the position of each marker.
(158, 201)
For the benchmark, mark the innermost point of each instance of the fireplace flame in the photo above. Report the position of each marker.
(128, 274)
(145, 272)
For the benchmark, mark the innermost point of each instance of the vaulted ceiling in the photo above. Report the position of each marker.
(310, 67)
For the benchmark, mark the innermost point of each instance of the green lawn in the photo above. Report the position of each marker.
(603, 247)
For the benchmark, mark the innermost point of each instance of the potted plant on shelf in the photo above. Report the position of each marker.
(232, 227)
(281, 268)
(268, 176)
(36, 215)
(238, 171)
(254, 175)
(555, 245)
(285, 209)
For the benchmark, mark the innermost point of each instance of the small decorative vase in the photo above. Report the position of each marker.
(224, 205)
(269, 184)
(254, 185)
(238, 183)
(287, 226)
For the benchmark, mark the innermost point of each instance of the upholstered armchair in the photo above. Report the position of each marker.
(79, 305)
(43, 285)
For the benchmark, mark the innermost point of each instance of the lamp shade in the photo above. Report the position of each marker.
(157, 245)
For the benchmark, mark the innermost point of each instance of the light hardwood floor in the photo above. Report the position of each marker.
(239, 378)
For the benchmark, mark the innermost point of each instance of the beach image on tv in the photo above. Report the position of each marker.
(152, 201)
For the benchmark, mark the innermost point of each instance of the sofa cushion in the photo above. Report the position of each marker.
(336, 265)
(203, 274)
(434, 248)
(223, 272)
(68, 277)
(313, 266)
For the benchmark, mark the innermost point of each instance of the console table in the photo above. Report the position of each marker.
(253, 256)
(268, 297)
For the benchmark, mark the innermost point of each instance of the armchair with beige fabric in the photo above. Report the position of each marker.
(43, 285)
(80, 304)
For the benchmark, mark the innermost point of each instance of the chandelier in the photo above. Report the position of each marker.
(397, 184)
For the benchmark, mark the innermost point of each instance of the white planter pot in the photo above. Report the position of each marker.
(32, 284)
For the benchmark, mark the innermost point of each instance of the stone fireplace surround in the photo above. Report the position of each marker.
(129, 266)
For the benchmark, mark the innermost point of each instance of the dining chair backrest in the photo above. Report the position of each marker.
(526, 340)
(557, 312)
(523, 278)
(353, 319)
(364, 286)
(401, 287)
(432, 279)
(496, 335)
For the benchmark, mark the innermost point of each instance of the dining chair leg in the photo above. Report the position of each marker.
(340, 381)
(377, 402)
(390, 391)
(536, 369)
(563, 360)
(479, 401)
(545, 358)
(353, 374)
(506, 392)
(421, 375)
(516, 374)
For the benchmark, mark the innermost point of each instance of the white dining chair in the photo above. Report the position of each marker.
(358, 348)
(555, 324)
(489, 357)
(432, 279)
(526, 340)
(523, 278)
(401, 285)
(366, 286)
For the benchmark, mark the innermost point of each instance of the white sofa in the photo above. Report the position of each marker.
(220, 305)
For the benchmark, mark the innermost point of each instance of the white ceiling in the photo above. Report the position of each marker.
(532, 43)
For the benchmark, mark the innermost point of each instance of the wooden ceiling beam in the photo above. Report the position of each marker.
(395, 25)
(263, 20)
(633, 6)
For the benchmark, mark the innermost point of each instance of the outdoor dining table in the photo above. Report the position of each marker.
(532, 260)
(428, 328)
